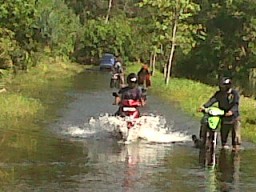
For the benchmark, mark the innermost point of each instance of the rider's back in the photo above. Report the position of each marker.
(117, 68)
(130, 93)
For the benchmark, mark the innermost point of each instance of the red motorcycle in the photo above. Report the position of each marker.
(128, 109)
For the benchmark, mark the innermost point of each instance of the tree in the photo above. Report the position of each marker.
(173, 20)
(58, 26)
(229, 47)
(108, 12)
(17, 25)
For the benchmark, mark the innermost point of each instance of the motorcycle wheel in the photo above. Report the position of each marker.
(117, 83)
(211, 147)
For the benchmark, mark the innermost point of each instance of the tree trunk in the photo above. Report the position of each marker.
(174, 30)
(154, 63)
(125, 6)
(165, 70)
(109, 9)
(151, 60)
(252, 79)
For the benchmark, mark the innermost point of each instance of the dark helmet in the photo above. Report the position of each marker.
(225, 84)
(132, 78)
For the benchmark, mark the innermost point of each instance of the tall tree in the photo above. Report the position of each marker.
(58, 26)
(173, 20)
(230, 44)
(108, 12)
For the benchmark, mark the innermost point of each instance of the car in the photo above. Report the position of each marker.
(107, 61)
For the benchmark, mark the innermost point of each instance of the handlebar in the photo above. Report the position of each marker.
(214, 111)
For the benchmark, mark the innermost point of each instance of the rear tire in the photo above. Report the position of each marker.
(117, 83)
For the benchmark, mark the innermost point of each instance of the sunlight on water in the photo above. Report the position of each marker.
(152, 128)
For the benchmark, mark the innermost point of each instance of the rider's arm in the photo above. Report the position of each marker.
(118, 97)
(117, 100)
(140, 97)
(142, 102)
(211, 101)
(234, 108)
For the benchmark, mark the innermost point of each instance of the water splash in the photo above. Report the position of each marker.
(152, 128)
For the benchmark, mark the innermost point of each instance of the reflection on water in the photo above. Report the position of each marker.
(229, 169)
(48, 162)
(136, 157)
(120, 167)
(225, 174)
(206, 158)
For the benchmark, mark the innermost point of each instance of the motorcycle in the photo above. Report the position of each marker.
(128, 110)
(115, 81)
(209, 133)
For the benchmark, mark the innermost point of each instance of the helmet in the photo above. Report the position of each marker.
(225, 84)
(132, 78)
(118, 64)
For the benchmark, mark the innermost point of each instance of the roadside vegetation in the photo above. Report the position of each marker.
(190, 39)
(28, 96)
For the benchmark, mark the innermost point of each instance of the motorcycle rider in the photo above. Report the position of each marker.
(118, 69)
(228, 100)
(130, 92)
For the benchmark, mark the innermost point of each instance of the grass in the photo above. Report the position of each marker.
(30, 94)
(31, 100)
(190, 95)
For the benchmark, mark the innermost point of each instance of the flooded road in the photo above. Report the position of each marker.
(78, 152)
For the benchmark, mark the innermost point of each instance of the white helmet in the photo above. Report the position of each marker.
(118, 64)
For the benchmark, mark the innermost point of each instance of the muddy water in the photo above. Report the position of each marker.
(78, 153)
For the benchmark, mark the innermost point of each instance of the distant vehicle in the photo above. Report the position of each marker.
(107, 61)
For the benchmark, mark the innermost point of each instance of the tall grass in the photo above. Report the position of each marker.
(30, 93)
(190, 95)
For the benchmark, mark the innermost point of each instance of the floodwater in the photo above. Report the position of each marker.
(78, 152)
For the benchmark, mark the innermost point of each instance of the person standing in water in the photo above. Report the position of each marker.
(228, 99)
(144, 76)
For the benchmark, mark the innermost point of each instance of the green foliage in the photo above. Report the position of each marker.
(114, 37)
(229, 47)
(88, 9)
(17, 22)
(58, 26)
(29, 26)
(167, 13)
(7, 46)
(18, 16)
(213, 37)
